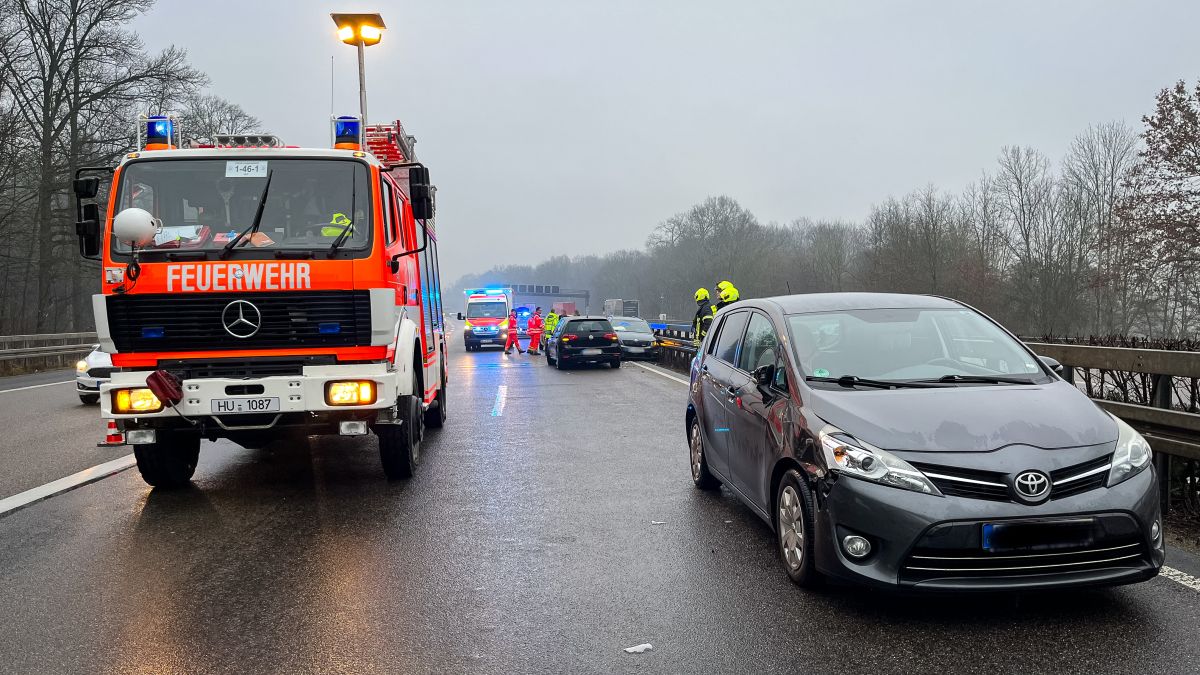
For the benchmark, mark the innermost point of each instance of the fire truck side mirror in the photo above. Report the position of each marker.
(87, 187)
(88, 230)
(421, 193)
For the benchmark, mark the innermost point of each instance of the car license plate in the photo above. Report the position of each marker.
(1037, 536)
(486, 342)
(636, 350)
(226, 406)
(590, 352)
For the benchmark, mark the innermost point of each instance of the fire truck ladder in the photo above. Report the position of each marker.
(390, 145)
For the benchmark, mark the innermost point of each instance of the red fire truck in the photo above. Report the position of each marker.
(254, 292)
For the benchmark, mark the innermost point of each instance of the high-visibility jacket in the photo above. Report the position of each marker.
(702, 322)
(534, 326)
(551, 322)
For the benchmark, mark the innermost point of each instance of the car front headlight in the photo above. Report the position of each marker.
(1132, 455)
(81, 367)
(852, 457)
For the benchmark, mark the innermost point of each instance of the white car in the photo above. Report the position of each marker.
(94, 370)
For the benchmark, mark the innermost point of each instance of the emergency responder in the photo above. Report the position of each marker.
(513, 338)
(551, 324)
(535, 331)
(728, 294)
(704, 317)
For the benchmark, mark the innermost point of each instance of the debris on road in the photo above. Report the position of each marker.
(638, 649)
(658, 522)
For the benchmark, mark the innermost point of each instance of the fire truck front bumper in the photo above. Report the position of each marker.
(358, 391)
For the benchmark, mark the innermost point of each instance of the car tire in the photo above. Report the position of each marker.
(549, 361)
(435, 417)
(560, 362)
(615, 364)
(89, 399)
(171, 461)
(795, 530)
(698, 461)
(400, 445)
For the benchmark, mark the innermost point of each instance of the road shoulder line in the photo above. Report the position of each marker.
(659, 371)
(1180, 577)
(35, 386)
(34, 495)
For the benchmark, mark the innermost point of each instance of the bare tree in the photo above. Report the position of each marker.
(206, 115)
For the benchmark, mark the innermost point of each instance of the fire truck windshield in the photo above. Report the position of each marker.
(204, 203)
(487, 310)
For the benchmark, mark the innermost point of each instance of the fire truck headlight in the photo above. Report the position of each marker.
(355, 392)
(130, 401)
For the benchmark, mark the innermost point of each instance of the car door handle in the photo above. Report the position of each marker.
(732, 391)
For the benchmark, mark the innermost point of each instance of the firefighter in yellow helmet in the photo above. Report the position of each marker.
(704, 317)
(728, 294)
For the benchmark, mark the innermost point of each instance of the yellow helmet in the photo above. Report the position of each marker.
(729, 294)
(722, 285)
(701, 294)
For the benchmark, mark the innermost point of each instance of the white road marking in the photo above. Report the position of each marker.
(57, 487)
(501, 397)
(1181, 577)
(35, 386)
(1169, 572)
(656, 371)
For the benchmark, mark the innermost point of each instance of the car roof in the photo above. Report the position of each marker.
(626, 318)
(832, 302)
(583, 318)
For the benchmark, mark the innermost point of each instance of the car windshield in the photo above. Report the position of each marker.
(487, 310)
(621, 325)
(204, 203)
(589, 326)
(907, 344)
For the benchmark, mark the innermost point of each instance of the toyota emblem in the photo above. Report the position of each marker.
(1032, 486)
(241, 319)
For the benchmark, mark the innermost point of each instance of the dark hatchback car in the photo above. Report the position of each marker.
(911, 441)
(583, 339)
(636, 338)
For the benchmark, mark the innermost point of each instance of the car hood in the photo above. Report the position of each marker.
(967, 418)
(629, 335)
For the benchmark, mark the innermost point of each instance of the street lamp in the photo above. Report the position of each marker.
(362, 31)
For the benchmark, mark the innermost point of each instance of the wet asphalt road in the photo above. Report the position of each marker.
(524, 544)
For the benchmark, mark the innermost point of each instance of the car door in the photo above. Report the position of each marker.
(755, 415)
(717, 372)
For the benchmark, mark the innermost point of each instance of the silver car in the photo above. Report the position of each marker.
(94, 370)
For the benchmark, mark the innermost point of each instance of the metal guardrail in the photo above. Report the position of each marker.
(45, 347)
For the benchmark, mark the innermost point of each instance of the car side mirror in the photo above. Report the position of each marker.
(421, 193)
(764, 375)
(1052, 364)
(461, 317)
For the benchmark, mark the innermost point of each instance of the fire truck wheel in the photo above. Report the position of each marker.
(435, 417)
(171, 461)
(400, 445)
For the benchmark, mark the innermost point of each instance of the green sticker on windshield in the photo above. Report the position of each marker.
(820, 372)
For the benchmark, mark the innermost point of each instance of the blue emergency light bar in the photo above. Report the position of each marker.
(159, 129)
(347, 129)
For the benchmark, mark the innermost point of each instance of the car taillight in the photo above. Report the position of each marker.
(611, 336)
(569, 337)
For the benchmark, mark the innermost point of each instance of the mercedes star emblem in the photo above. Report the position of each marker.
(1032, 486)
(241, 319)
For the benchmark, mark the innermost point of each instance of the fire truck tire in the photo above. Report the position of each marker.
(435, 417)
(171, 461)
(400, 445)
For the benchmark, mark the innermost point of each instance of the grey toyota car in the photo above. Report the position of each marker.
(911, 441)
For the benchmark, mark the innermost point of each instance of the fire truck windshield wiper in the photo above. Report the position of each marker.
(341, 238)
(262, 202)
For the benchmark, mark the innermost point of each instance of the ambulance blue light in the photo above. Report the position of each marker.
(331, 328)
(494, 291)
(153, 332)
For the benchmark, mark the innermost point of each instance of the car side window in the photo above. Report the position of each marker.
(761, 344)
(731, 337)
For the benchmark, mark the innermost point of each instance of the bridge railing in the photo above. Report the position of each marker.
(47, 350)
(1173, 434)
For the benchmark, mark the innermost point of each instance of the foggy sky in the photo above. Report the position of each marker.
(575, 127)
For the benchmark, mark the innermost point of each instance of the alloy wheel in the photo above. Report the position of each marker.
(791, 527)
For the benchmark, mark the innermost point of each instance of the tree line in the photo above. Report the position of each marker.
(73, 79)
(1103, 241)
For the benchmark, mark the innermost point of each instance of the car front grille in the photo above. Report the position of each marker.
(994, 485)
(954, 551)
(182, 322)
(99, 372)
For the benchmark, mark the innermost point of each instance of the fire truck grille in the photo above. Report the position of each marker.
(216, 321)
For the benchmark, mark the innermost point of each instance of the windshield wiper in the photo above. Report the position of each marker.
(981, 379)
(346, 229)
(262, 202)
(851, 381)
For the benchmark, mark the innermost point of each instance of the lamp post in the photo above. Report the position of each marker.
(362, 31)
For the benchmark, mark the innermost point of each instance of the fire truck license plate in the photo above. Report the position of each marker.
(225, 406)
